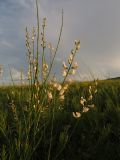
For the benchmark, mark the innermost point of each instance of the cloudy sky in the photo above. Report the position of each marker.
(95, 22)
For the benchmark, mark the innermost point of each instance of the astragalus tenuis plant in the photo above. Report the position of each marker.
(29, 129)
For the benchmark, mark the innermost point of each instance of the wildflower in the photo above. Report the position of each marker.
(76, 114)
(33, 38)
(45, 67)
(73, 71)
(64, 73)
(82, 101)
(33, 34)
(85, 109)
(90, 97)
(38, 101)
(65, 87)
(59, 87)
(44, 22)
(70, 59)
(54, 84)
(61, 92)
(35, 68)
(91, 106)
(49, 95)
(50, 46)
(75, 65)
(95, 91)
(96, 82)
(77, 44)
(64, 65)
(90, 89)
(34, 106)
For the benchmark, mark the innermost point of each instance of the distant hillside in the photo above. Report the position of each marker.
(115, 78)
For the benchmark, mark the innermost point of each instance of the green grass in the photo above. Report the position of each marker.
(95, 135)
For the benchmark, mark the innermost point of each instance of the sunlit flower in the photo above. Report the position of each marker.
(64, 73)
(44, 22)
(33, 39)
(61, 92)
(64, 65)
(76, 114)
(34, 106)
(45, 66)
(91, 106)
(75, 65)
(96, 82)
(70, 59)
(82, 101)
(85, 109)
(50, 47)
(73, 71)
(90, 89)
(77, 44)
(90, 97)
(95, 91)
(59, 87)
(55, 85)
(50, 95)
(65, 87)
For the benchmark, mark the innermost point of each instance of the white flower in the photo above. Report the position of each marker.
(91, 106)
(82, 101)
(64, 65)
(61, 92)
(77, 44)
(76, 114)
(70, 59)
(90, 97)
(90, 89)
(85, 109)
(73, 71)
(59, 87)
(50, 47)
(64, 73)
(75, 65)
(55, 85)
(95, 91)
(45, 66)
(50, 95)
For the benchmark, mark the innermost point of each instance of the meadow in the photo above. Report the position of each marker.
(36, 133)
(44, 119)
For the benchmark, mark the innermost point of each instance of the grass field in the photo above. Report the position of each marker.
(53, 132)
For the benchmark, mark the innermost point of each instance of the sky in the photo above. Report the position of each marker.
(95, 22)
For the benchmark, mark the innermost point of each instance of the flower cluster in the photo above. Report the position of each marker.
(85, 102)
(43, 42)
(71, 68)
(59, 88)
(44, 70)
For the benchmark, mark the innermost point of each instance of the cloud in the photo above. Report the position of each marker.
(6, 44)
(16, 75)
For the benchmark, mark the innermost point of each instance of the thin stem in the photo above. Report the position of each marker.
(60, 34)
